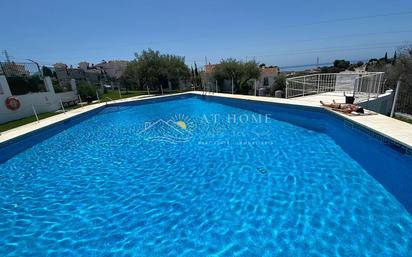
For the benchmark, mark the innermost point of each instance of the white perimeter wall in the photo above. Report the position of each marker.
(43, 101)
(382, 104)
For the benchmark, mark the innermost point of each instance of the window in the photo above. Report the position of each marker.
(266, 81)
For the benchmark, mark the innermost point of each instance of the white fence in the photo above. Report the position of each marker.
(42, 102)
(367, 84)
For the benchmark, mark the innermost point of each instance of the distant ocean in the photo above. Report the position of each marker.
(303, 67)
(311, 66)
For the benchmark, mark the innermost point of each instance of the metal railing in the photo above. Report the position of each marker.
(367, 84)
(13, 69)
(23, 77)
(404, 103)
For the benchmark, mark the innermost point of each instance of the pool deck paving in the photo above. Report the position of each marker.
(396, 130)
(33, 126)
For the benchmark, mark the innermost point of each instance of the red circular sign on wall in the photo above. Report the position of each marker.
(12, 103)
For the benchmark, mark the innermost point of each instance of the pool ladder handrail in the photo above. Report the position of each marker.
(205, 91)
(107, 98)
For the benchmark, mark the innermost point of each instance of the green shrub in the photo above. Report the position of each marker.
(47, 72)
(22, 85)
(58, 88)
(278, 84)
(86, 89)
(246, 87)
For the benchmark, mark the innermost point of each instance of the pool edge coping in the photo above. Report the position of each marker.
(404, 139)
(10, 136)
(354, 120)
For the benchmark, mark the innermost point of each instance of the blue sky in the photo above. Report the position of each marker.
(273, 32)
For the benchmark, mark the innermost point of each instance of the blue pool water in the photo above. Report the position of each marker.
(229, 181)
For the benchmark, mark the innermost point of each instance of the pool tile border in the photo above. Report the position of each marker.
(402, 147)
(355, 120)
(355, 125)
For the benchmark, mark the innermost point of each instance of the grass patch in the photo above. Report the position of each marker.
(403, 119)
(17, 123)
(114, 95)
(111, 94)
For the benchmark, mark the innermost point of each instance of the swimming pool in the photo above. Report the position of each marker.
(195, 176)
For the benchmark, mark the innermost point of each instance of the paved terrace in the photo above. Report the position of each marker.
(327, 98)
(396, 130)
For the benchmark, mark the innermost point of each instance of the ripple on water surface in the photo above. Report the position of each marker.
(246, 189)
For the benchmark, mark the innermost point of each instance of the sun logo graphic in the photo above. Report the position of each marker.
(178, 129)
(184, 122)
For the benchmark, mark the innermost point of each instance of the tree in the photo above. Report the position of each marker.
(85, 90)
(394, 58)
(241, 72)
(341, 64)
(338, 66)
(386, 57)
(278, 84)
(402, 70)
(46, 71)
(135, 75)
(174, 70)
(196, 78)
(403, 66)
(154, 70)
(192, 75)
(399, 69)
